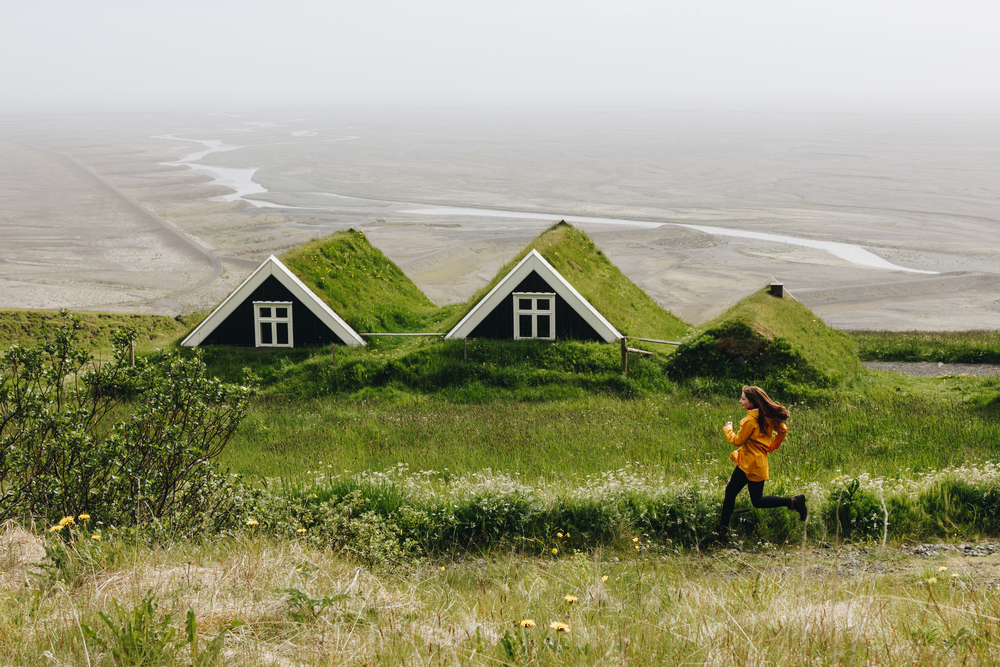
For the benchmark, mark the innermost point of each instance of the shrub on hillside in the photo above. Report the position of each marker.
(734, 350)
(127, 444)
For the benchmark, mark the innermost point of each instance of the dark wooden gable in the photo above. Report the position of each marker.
(499, 324)
(238, 329)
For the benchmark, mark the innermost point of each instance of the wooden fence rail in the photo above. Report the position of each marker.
(626, 349)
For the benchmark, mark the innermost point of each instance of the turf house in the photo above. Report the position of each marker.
(534, 301)
(273, 308)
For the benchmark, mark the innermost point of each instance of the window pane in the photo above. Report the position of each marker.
(524, 304)
(265, 333)
(543, 304)
(525, 321)
(281, 333)
(544, 330)
(281, 312)
(265, 312)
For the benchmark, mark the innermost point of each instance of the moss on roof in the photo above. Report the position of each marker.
(763, 335)
(622, 302)
(362, 285)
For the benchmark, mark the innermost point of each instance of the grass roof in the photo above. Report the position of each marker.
(767, 318)
(362, 285)
(585, 267)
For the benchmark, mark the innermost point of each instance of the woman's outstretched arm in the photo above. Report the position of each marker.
(778, 439)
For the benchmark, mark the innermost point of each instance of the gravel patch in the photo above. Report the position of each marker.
(934, 368)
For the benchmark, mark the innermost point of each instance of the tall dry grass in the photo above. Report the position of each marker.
(301, 605)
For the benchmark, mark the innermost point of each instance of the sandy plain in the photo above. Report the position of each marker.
(167, 214)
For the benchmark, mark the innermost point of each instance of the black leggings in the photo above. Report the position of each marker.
(757, 497)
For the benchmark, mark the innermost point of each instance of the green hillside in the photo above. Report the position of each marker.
(617, 298)
(363, 285)
(23, 327)
(763, 336)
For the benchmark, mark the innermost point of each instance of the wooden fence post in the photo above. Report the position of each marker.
(624, 356)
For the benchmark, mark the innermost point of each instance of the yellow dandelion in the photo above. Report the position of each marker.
(637, 547)
(559, 627)
(571, 599)
(298, 569)
(251, 522)
(66, 521)
(942, 569)
(301, 530)
(96, 538)
(555, 551)
(84, 517)
(635, 539)
(527, 623)
(604, 578)
(558, 534)
(932, 580)
(567, 534)
(56, 528)
(954, 574)
(442, 568)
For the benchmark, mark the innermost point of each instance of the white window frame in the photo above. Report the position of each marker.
(258, 320)
(534, 312)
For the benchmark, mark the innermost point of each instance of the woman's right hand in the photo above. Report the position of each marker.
(729, 424)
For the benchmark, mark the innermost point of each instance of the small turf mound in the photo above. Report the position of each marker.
(362, 285)
(618, 299)
(765, 338)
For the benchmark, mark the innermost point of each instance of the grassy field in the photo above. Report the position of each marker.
(954, 347)
(293, 603)
(420, 502)
(887, 426)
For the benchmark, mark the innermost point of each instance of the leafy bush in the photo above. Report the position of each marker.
(348, 523)
(128, 444)
(734, 350)
(856, 511)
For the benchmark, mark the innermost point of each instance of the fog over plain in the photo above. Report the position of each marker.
(902, 56)
(872, 124)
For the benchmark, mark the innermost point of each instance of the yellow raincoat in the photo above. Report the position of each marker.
(754, 445)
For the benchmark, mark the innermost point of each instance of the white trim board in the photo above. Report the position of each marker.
(534, 261)
(273, 267)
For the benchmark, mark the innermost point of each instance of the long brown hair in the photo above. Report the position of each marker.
(769, 413)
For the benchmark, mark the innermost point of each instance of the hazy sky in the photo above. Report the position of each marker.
(843, 55)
